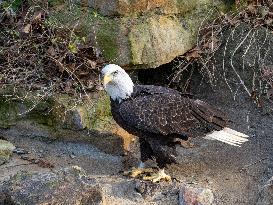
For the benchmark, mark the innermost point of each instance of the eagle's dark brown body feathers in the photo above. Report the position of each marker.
(157, 115)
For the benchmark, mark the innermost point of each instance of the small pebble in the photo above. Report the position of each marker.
(20, 151)
(72, 156)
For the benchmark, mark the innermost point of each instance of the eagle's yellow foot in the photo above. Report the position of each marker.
(156, 177)
(138, 172)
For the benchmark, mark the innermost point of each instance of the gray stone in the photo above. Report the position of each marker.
(66, 186)
(73, 186)
(192, 195)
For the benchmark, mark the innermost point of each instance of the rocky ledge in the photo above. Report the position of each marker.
(73, 186)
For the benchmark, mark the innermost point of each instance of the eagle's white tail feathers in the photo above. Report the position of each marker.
(228, 136)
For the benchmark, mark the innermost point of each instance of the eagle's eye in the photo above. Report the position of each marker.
(115, 73)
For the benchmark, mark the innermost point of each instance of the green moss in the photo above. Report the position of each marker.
(106, 36)
(138, 35)
(101, 115)
(53, 3)
(30, 108)
(42, 112)
(186, 5)
(6, 149)
(14, 5)
(8, 112)
(195, 18)
(86, 22)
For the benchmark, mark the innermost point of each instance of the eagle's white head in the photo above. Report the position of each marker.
(117, 82)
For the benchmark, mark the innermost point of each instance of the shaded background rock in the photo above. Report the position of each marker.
(243, 58)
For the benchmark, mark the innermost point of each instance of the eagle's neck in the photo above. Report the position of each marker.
(120, 91)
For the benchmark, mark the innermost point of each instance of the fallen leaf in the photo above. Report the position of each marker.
(92, 63)
(90, 84)
(83, 73)
(212, 44)
(68, 86)
(27, 28)
(270, 14)
(44, 163)
(269, 21)
(59, 64)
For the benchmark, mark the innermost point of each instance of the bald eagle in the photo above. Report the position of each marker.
(158, 115)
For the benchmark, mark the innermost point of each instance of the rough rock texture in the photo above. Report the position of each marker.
(266, 194)
(147, 33)
(152, 39)
(124, 7)
(60, 117)
(158, 40)
(198, 196)
(73, 186)
(68, 186)
(6, 149)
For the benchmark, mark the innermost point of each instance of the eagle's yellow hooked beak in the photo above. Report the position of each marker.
(107, 79)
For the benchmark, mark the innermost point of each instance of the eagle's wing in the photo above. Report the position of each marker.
(168, 113)
(159, 114)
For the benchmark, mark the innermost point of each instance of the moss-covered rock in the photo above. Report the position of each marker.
(147, 33)
(6, 149)
(157, 40)
(63, 117)
(127, 8)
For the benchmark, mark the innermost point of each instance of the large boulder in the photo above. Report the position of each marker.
(146, 33)
(73, 185)
(126, 8)
(67, 186)
(61, 116)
